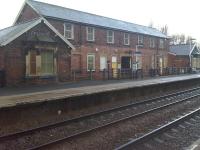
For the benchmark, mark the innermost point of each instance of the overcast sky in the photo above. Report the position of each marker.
(181, 16)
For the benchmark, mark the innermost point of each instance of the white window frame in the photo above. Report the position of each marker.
(93, 33)
(140, 39)
(108, 36)
(93, 55)
(152, 42)
(126, 38)
(161, 44)
(101, 69)
(72, 31)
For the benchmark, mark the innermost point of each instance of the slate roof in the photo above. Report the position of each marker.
(181, 49)
(59, 12)
(11, 33)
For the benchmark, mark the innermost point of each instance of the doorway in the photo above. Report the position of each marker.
(125, 62)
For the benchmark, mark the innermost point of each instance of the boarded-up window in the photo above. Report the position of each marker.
(139, 61)
(47, 62)
(32, 62)
(103, 63)
(39, 64)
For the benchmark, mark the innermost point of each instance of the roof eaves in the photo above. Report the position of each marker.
(23, 5)
(20, 33)
(29, 3)
(192, 49)
(43, 15)
(172, 53)
(61, 19)
(61, 36)
(19, 12)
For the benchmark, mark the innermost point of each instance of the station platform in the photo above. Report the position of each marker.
(52, 95)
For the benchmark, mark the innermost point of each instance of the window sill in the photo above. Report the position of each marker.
(91, 41)
(40, 77)
(69, 38)
(110, 43)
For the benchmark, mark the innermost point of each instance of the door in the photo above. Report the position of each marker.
(114, 66)
(161, 65)
(125, 62)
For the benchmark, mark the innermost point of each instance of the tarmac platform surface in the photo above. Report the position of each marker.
(35, 97)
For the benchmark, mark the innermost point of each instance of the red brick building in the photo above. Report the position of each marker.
(184, 56)
(34, 51)
(98, 42)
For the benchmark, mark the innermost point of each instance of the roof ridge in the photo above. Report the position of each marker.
(92, 14)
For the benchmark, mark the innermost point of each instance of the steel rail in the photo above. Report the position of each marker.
(111, 123)
(157, 131)
(62, 123)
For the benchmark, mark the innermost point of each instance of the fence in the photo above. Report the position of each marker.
(111, 74)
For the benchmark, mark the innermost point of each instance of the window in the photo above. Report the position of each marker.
(90, 34)
(139, 61)
(153, 60)
(152, 43)
(69, 31)
(47, 62)
(103, 63)
(161, 44)
(39, 63)
(140, 39)
(32, 56)
(110, 37)
(126, 39)
(90, 62)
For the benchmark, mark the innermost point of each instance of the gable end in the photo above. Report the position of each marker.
(26, 13)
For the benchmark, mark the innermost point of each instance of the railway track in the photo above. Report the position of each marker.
(163, 101)
(151, 135)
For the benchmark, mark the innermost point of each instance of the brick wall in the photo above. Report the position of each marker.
(178, 61)
(99, 47)
(14, 63)
(107, 51)
(1, 58)
(100, 36)
(63, 65)
(80, 32)
(27, 14)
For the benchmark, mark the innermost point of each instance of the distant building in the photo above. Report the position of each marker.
(48, 43)
(184, 55)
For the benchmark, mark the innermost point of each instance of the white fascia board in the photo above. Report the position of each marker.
(22, 32)
(19, 12)
(172, 53)
(57, 33)
(25, 2)
(192, 49)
